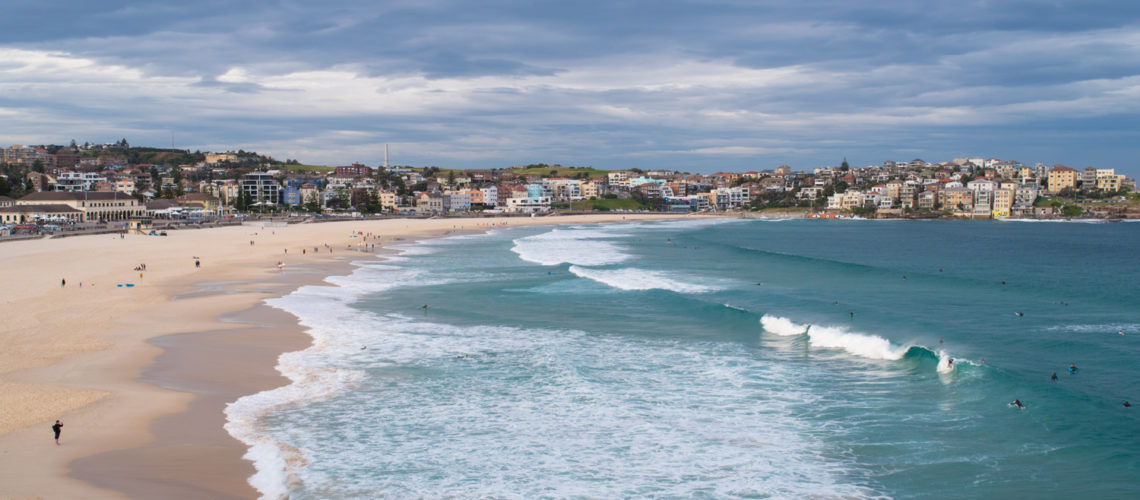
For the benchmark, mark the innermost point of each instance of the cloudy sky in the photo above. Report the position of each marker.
(696, 86)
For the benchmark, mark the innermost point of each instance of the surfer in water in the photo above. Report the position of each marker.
(950, 363)
(1054, 376)
(1073, 368)
(1127, 404)
(1017, 403)
(1020, 314)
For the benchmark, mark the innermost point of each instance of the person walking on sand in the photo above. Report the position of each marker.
(63, 282)
(57, 427)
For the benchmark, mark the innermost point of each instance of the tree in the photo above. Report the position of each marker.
(312, 204)
(5, 188)
(372, 203)
(841, 187)
(177, 174)
(38, 166)
(239, 202)
(844, 166)
(338, 202)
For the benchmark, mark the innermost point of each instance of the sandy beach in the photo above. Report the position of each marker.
(140, 374)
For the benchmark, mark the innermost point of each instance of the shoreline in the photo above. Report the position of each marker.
(246, 354)
(117, 414)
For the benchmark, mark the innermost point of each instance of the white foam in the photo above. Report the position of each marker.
(275, 467)
(944, 365)
(335, 327)
(836, 337)
(1114, 328)
(560, 413)
(781, 326)
(862, 345)
(675, 418)
(631, 278)
(587, 247)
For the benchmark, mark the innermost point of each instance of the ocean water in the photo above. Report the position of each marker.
(713, 359)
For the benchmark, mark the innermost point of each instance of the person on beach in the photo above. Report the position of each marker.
(197, 264)
(62, 283)
(57, 428)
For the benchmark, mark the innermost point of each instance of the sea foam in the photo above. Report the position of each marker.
(587, 247)
(838, 337)
(535, 412)
(325, 313)
(631, 278)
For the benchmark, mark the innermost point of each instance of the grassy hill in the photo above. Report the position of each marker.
(299, 168)
(559, 171)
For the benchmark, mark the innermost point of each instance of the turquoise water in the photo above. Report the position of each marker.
(671, 360)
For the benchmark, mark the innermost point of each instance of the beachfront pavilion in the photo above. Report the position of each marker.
(93, 205)
(30, 214)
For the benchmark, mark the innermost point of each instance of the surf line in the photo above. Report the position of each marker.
(857, 344)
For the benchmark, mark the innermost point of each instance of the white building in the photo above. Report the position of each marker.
(456, 201)
(528, 205)
(490, 196)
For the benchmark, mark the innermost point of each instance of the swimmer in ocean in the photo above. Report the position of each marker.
(1017, 403)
